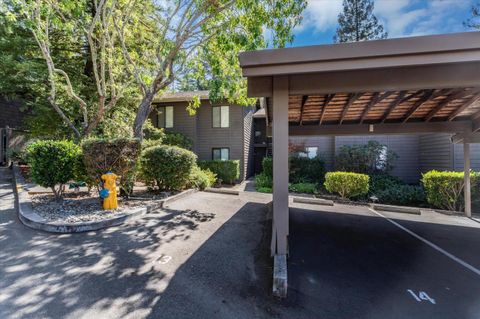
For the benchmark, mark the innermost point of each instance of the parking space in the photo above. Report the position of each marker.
(351, 262)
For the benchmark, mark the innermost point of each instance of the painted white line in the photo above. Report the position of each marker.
(429, 243)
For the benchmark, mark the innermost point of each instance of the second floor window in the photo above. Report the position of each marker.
(165, 116)
(221, 116)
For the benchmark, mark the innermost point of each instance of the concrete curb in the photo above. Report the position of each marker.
(222, 191)
(29, 218)
(280, 284)
(314, 201)
(397, 209)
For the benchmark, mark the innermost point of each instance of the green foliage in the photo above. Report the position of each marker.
(263, 180)
(167, 167)
(226, 171)
(381, 182)
(305, 188)
(267, 165)
(150, 143)
(53, 163)
(358, 23)
(264, 189)
(369, 158)
(178, 139)
(111, 155)
(474, 21)
(150, 132)
(201, 179)
(405, 195)
(347, 184)
(445, 189)
(304, 169)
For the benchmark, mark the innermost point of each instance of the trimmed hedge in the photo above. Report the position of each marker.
(445, 189)
(53, 163)
(167, 167)
(347, 184)
(405, 195)
(263, 181)
(226, 171)
(119, 156)
(305, 188)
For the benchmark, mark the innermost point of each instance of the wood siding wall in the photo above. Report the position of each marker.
(247, 142)
(436, 152)
(474, 157)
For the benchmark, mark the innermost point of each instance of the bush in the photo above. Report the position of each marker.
(406, 195)
(53, 163)
(301, 169)
(369, 158)
(382, 182)
(119, 156)
(263, 180)
(167, 167)
(306, 188)
(226, 171)
(306, 170)
(445, 189)
(178, 139)
(201, 179)
(150, 142)
(347, 184)
(267, 166)
(264, 190)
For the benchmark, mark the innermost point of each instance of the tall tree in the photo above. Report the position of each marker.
(358, 23)
(181, 32)
(474, 21)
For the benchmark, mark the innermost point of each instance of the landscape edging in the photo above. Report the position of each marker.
(30, 219)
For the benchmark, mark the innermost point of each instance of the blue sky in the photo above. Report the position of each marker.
(399, 17)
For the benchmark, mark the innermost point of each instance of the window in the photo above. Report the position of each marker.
(221, 116)
(312, 151)
(222, 154)
(165, 116)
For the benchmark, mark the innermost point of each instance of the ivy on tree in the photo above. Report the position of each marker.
(358, 23)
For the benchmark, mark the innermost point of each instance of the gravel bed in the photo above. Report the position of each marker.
(77, 208)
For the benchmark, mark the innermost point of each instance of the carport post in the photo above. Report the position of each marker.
(280, 164)
(466, 178)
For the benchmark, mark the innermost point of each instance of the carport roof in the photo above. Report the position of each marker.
(426, 79)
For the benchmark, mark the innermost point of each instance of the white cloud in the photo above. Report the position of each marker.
(321, 15)
(399, 17)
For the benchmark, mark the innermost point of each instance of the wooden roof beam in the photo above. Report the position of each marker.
(426, 96)
(399, 100)
(376, 98)
(352, 97)
(465, 105)
(328, 99)
(457, 95)
(304, 100)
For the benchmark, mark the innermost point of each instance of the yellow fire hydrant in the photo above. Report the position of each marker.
(110, 202)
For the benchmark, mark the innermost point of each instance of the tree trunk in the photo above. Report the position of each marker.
(142, 114)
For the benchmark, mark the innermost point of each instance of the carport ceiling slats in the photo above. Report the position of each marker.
(444, 104)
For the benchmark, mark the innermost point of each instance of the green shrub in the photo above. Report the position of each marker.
(167, 167)
(369, 158)
(347, 184)
(264, 190)
(306, 170)
(200, 178)
(119, 156)
(151, 132)
(53, 163)
(226, 171)
(445, 189)
(306, 188)
(267, 166)
(381, 182)
(263, 180)
(146, 143)
(301, 169)
(177, 139)
(406, 195)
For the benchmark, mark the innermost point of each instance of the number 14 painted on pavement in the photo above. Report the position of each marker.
(422, 296)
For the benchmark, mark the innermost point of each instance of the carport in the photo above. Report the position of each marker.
(428, 84)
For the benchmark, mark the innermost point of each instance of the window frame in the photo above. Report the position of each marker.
(164, 110)
(220, 148)
(220, 118)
